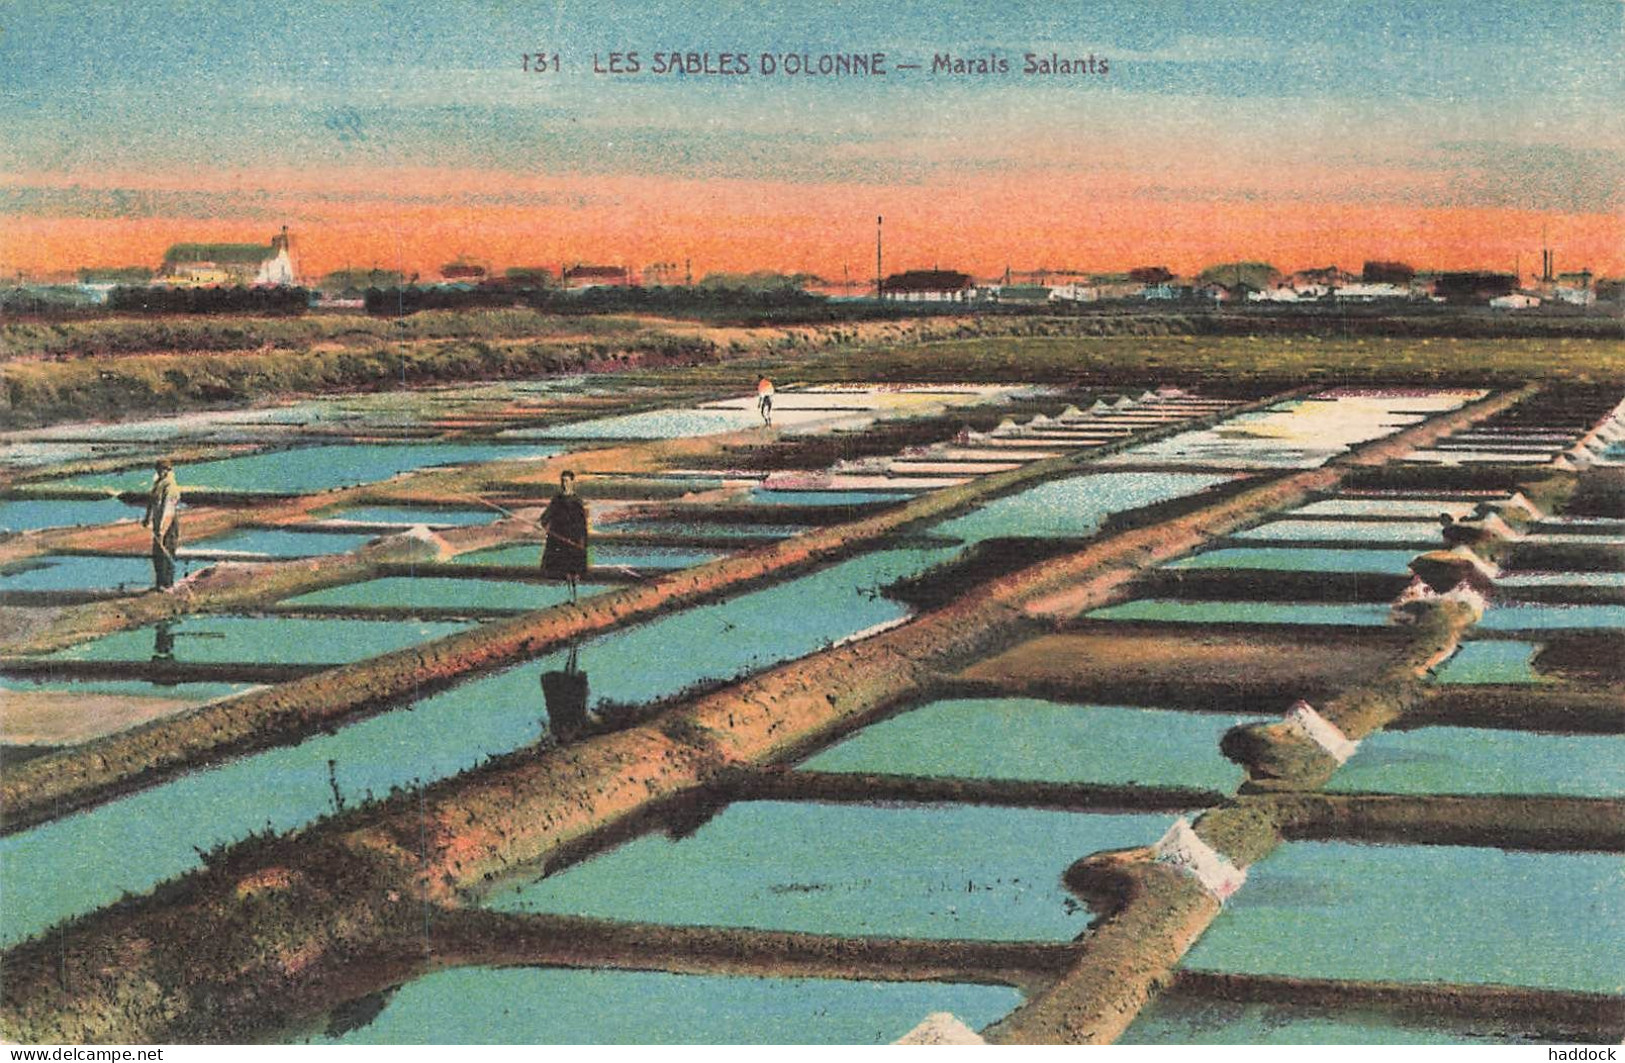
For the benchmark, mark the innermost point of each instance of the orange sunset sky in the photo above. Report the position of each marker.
(403, 140)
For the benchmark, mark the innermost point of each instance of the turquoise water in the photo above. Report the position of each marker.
(654, 424)
(410, 515)
(529, 555)
(136, 687)
(87, 860)
(1471, 760)
(706, 529)
(1490, 661)
(1073, 507)
(419, 592)
(1386, 531)
(482, 1005)
(74, 572)
(84, 861)
(932, 871)
(718, 641)
(1362, 614)
(1173, 1019)
(276, 542)
(1023, 738)
(315, 468)
(825, 498)
(1514, 580)
(1297, 559)
(28, 514)
(1420, 508)
(1425, 913)
(1523, 616)
(264, 640)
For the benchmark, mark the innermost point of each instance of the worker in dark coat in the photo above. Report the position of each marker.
(163, 517)
(564, 555)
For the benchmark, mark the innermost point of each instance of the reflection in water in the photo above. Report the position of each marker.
(565, 694)
(353, 1015)
(163, 641)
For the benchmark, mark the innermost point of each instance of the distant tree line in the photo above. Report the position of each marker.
(268, 300)
(699, 300)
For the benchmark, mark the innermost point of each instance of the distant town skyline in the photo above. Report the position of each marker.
(1446, 136)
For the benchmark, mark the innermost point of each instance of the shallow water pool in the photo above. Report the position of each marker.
(1424, 913)
(444, 592)
(261, 639)
(1029, 739)
(1301, 559)
(1421, 533)
(772, 497)
(1490, 661)
(1072, 507)
(1527, 616)
(77, 572)
(431, 515)
(1355, 508)
(528, 555)
(1200, 612)
(29, 514)
(278, 542)
(934, 871)
(483, 1005)
(703, 529)
(314, 468)
(1473, 760)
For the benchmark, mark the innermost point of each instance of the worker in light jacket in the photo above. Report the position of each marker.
(163, 517)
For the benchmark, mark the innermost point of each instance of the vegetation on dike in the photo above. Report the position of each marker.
(120, 367)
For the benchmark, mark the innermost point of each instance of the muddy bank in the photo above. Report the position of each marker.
(1549, 824)
(1560, 708)
(1281, 756)
(1561, 1016)
(1150, 916)
(475, 937)
(863, 787)
(1224, 670)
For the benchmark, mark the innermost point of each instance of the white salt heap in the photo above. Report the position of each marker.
(940, 1028)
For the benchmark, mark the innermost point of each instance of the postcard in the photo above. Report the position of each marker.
(718, 522)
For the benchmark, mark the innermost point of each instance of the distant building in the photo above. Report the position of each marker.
(463, 271)
(929, 286)
(1371, 293)
(209, 265)
(1174, 290)
(1074, 292)
(1470, 287)
(1022, 294)
(1575, 289)
(1283, 294)
(1116, 286)
(580, 276)
(1324, 279)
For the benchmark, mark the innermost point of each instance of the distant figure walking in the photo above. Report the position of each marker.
(764, 400)
(162, 516)
(564, 555)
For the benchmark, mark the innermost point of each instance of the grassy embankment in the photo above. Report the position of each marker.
(122, 366)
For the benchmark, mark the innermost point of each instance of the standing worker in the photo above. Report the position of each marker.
(764, 400)
(564, 555)
(164, 519)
